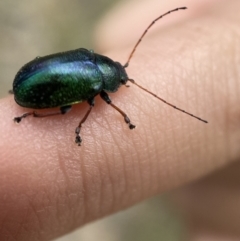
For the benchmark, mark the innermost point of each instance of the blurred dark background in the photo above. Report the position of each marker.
(37, 28)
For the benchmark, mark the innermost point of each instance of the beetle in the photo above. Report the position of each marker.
(67, 78)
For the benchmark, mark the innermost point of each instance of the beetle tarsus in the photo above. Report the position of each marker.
(78, 139)
(127, 120)
(131, 126)
(17, 119)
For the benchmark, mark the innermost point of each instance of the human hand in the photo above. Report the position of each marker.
(49, 186)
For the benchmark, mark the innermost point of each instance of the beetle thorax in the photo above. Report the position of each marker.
(113, 73)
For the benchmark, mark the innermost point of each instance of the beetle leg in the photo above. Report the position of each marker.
(19, 118)
(63, 110)
(78, 139)
(106, 98)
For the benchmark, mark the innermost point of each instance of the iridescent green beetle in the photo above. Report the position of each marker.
(64, 79)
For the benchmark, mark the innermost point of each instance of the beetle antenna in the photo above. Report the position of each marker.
(144, 33)
(175, 107)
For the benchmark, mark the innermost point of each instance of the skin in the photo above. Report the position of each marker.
(49, 186)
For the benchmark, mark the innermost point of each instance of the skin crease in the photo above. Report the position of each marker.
(49, 186)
